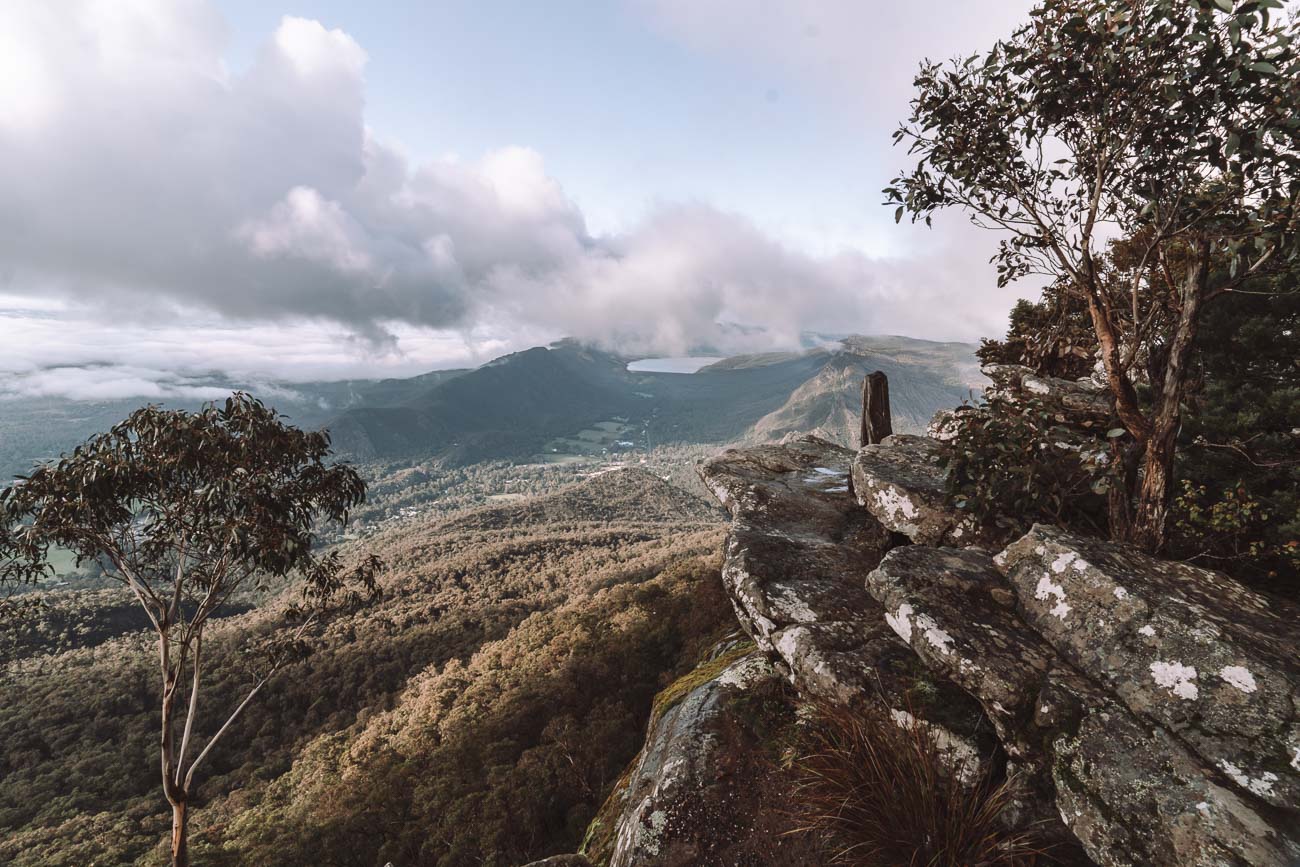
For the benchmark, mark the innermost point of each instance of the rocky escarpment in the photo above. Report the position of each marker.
(1153, 705)
(704, 788)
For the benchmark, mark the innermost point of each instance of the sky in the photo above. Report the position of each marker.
(318, 189)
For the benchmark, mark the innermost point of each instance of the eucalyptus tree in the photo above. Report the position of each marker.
(186, 510)
(1168, 126)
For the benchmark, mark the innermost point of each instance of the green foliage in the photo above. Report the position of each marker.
(186, 510)
(218, 497)
(1170, 126)
(1172, 116)
(1236, 502)
(1012, 464)
(1238, 506)
(500, 758)
(1053, 336)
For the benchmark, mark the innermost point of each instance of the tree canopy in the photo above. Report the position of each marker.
(187, 510)
(1144, 156)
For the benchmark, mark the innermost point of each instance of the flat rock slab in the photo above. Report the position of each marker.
(799, 549)
(1190, 649)
(954, 610)
(803, 483)
(797, 560)
(901, 483)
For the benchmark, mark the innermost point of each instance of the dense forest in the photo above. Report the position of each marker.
(506, 675)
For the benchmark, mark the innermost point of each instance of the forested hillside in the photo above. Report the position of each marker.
(478, 714)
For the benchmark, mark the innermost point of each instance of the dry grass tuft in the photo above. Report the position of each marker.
(883, 794)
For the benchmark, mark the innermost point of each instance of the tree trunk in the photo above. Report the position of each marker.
(180, 843)
(1152, 507)
(1119, 499)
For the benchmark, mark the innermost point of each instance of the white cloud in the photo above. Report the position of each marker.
(174, 215)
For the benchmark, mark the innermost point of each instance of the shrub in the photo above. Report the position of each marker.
(880, 793)
(1014, 464)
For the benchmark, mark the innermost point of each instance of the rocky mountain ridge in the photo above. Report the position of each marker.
(1151, 707)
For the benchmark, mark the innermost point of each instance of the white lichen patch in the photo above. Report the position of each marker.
(1049, 589)
(745, 672)
(1177, 678)
(1149, 631)
(788, 644)
(1035, 386)
(1120, 593)
(786, 601)
(900, 621)
(939, 640)
(891, 502)
(1063, 561)
(1239, 677)
(1261, 785)
(1295, 760)
(827, 471)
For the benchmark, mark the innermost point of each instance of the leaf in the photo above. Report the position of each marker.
(1263, 66)
(1115, 432)
(898, 214)
(1234, 141)
(1225, 5)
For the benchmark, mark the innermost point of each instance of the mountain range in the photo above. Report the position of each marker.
(572, 399)
(563, 401)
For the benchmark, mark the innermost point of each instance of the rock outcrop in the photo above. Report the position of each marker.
(1153, 705)
(1188, 649)
(1083, 396)
(797, 560)
(901, 484)
(700, 791)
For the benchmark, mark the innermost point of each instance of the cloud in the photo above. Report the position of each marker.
(161, 194)
(108, 383)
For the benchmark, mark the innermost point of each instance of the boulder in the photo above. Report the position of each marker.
(943, 426)
(1085, 396)
(900, 482)
(1131, 793)
(1187, 648)
(702, 791)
